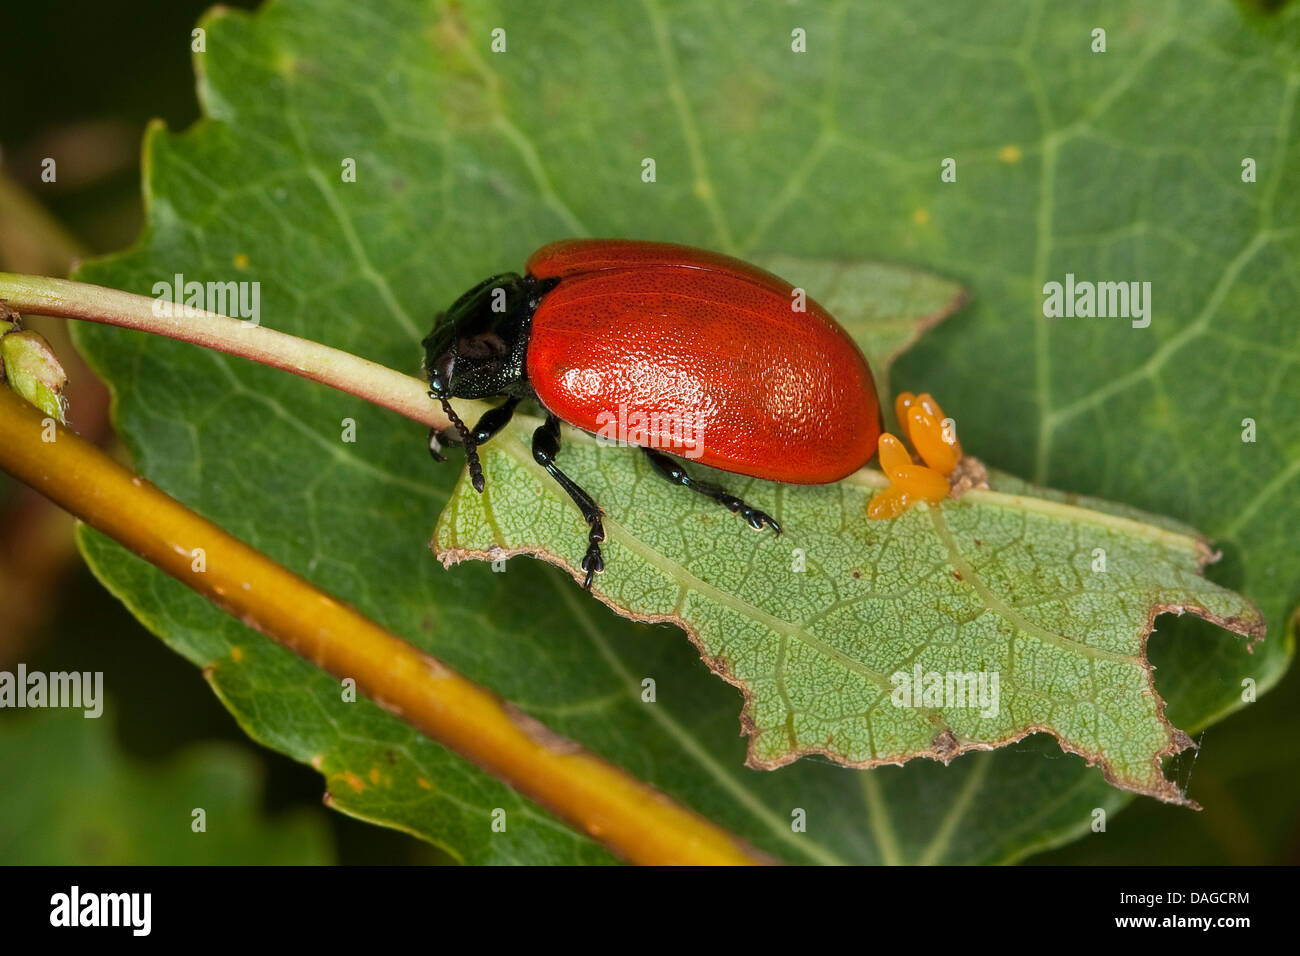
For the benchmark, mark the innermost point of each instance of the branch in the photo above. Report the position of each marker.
(595, 798)
(397, 391)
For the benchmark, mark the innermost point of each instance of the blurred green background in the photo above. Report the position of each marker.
(81, 86)
(86, 791)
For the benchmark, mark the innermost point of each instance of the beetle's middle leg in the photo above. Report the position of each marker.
(546, 445)
(674, 472)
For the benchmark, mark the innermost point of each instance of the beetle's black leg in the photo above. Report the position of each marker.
(489, 423)
(493, 420)
(471, 447)
(546, 445)
(436, 441)
(674, 472)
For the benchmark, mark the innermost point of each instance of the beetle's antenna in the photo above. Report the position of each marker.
(471, 450)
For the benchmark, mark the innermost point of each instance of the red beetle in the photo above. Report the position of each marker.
(716, 360)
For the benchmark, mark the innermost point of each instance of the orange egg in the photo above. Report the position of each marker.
(923, 421)
(926, 433)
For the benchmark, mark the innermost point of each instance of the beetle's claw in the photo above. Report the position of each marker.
(757, 519)
(593, 564)
(435, 446)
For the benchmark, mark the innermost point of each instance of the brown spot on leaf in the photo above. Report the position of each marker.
(945, 745)
(969, 473)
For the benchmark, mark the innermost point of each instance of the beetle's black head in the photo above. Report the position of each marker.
(479, 346)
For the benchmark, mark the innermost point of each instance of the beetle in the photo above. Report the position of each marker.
(773, 387)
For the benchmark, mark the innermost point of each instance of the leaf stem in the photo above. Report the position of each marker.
(595, 798)
(378, 384)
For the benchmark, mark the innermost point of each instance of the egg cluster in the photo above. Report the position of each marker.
(935, 439)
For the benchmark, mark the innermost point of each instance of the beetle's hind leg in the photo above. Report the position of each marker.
(675, 473)
(546, 445)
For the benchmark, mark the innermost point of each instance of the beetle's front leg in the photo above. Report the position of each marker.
(436, 440)
(494, 419)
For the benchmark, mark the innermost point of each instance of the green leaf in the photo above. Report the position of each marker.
(961, 627)
(78, 800)
(1126, 166)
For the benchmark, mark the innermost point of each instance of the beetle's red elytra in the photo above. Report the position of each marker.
(671, 332)
(767, 381)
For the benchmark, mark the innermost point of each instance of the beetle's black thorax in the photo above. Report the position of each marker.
(479, 347)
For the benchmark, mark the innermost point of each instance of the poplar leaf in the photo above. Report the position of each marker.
(963, 626)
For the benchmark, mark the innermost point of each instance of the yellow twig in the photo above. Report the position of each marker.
(627, 816)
